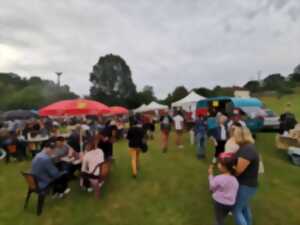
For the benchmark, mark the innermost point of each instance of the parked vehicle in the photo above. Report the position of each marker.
(271, 121)
(251, 110)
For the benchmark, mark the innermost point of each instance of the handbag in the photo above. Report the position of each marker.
(144, 147)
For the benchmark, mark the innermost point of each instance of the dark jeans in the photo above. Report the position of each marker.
(221, 211)
(60, 184)
(220, 148)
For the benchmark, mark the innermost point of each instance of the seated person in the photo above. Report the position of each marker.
(65, 157)
(46, 172)
(91, 159)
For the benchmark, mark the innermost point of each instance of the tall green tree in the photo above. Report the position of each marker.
(179, 93)
(274, 81)
(253, 86)
(147, 95)
(111, 82)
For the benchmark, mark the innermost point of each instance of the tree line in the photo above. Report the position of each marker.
(30, 93)
(112, 83)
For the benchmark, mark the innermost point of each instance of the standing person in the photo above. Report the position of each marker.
(220, 136)
(165, 127)
(46, 172)
(135, 138)
(247, 168)
(200, 130)
(74, 139)
(224, 187)
(179, 126)
(236, 118)
(287, 121)
(152, 128)
(106, 139)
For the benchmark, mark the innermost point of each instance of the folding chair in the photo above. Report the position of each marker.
(33, 187)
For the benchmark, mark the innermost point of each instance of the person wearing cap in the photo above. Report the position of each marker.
(47, 174)
(236, 118)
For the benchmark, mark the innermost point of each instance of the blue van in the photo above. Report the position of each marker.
(251, 110)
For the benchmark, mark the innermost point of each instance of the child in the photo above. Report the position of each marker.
(224, 187)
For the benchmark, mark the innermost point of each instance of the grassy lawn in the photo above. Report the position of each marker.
(172, 189)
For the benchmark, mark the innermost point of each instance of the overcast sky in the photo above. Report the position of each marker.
(166, 43)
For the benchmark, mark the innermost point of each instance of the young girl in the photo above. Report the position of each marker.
(224, 187)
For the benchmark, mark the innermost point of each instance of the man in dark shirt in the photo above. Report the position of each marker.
(106, 140)
(135, 138)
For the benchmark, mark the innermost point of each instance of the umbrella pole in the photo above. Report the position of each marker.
(81, 140)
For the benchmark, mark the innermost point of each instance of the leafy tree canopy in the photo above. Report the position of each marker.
(31, 93)
(111, 81)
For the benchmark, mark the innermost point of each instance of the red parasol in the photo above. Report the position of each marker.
(118, 110)
(76, 107)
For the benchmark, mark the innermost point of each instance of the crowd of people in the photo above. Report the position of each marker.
(61, 147)
(72, 144)
(235, 156)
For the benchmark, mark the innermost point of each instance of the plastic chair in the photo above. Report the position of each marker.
(33, 187)
(95, 181)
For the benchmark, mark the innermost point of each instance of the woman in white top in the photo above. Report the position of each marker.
(179, 126)
(91, 159)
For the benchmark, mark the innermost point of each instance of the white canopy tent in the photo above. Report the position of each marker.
(140, 109)
(153, 106)
(189, 102)
(156, 106)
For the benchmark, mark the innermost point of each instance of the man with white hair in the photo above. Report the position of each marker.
(219, 136)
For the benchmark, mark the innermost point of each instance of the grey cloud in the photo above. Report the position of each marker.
(194, 43)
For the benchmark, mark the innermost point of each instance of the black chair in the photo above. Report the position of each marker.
(33, 187)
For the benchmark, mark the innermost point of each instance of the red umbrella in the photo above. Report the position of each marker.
(118, 110)
(76, 107)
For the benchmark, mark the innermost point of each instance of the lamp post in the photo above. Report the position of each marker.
(58, 74)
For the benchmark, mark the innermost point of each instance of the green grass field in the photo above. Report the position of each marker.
(172, 190)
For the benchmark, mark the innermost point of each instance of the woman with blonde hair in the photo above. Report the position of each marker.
(247, 174)
(231, 145)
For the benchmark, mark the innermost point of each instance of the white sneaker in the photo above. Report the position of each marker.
(60, 196)
(54, 196)
(89, 190)
(67, 191)
(101, 184)
(214, 161)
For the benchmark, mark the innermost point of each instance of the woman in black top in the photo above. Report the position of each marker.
(135, 138)
(247, 173)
